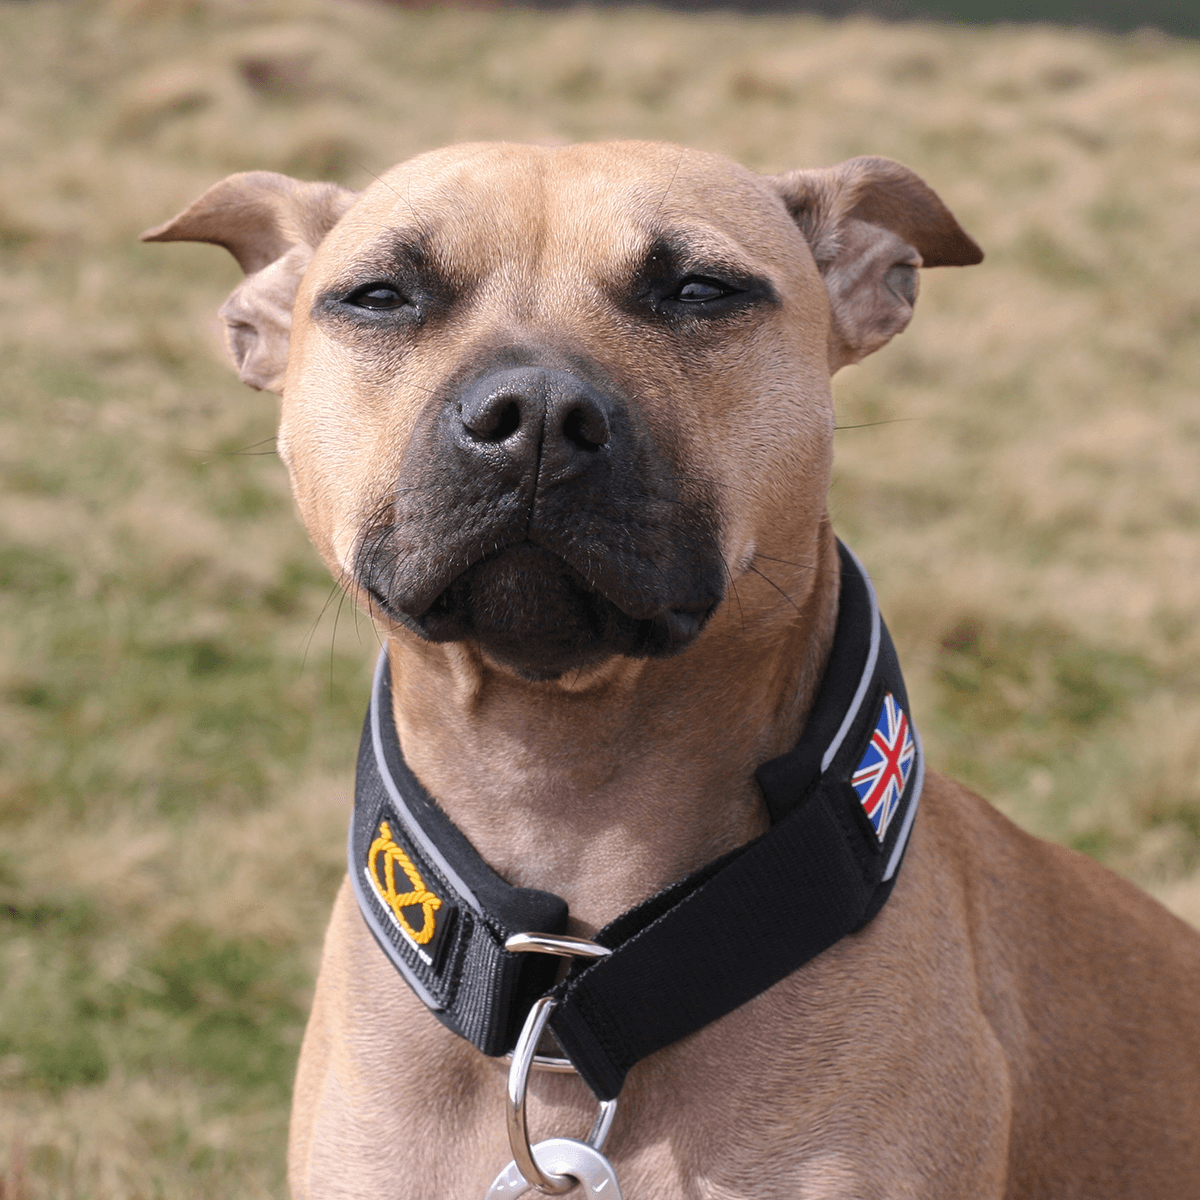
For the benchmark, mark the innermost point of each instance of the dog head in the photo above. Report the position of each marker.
(554, 401)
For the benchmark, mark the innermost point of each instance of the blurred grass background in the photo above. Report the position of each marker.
(179, 704)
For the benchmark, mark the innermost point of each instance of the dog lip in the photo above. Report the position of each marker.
(379, 599)
(676, 613)
(389, 609)
(453, 615)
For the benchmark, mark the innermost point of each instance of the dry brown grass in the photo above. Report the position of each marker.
(1019, 471)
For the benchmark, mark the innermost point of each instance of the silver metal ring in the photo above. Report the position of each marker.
(518, 1082)
(553, 943)
(546, 1062)
(598, 1134)
(525, 1056)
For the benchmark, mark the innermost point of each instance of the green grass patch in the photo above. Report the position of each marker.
(237, 1000)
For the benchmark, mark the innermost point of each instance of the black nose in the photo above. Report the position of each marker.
(535, 418)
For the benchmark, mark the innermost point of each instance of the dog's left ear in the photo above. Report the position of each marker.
(870, 223)
(271, 224)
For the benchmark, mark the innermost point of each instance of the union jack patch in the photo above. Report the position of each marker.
(883, 771)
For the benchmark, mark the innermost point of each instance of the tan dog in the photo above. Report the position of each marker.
(588, 668)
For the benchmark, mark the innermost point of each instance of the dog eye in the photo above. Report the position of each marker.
(376, 296)
(696, 289)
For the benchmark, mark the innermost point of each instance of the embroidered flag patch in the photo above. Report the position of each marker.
(882, 772)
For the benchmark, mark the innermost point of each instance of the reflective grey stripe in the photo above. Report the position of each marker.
(412, 826)
(906, 828)
(868, 671)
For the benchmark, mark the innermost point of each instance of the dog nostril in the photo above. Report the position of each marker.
(586, 428)
(508, 421)
(494, 422)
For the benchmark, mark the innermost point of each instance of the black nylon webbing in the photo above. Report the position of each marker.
(715, 949)
(684, 957)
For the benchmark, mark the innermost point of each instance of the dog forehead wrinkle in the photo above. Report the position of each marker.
(405, 246)
(406, 251)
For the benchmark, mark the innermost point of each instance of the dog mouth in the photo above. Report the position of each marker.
(529, 610)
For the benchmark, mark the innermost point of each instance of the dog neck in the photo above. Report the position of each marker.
(605, 785)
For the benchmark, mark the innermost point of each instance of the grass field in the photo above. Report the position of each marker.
(179, 702)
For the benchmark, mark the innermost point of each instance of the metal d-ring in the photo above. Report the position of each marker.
(563, 947)
(555, 943)
(524, 1057)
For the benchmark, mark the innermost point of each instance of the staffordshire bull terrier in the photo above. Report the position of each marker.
(560, 420)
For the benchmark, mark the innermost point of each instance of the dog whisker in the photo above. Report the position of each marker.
(333, 642)
(337, 587)
(777, 588)
(787, 562)
(733, 589)
(871, 424)
(244, 452)
(670, 182)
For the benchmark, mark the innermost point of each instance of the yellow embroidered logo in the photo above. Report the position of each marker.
(385, 851)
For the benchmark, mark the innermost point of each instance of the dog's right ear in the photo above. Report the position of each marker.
(272, 225)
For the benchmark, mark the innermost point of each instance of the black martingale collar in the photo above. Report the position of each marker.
(842, 803)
